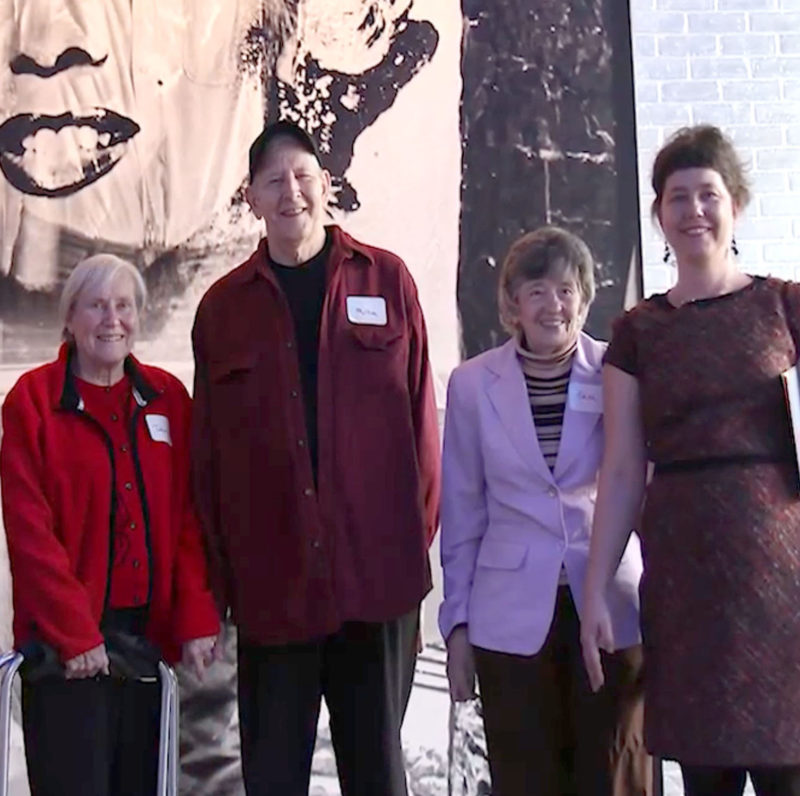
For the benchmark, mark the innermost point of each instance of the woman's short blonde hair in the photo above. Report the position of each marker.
(535, 255)
(97, 272)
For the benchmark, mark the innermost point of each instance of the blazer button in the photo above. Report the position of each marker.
(308, 491)
(301, 443)
(293, 393)
(315, 544)
(553, 492)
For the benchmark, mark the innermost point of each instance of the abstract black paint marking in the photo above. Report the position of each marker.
(335, 108)
(547, 137)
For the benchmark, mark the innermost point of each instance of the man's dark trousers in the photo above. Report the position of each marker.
(365, 672)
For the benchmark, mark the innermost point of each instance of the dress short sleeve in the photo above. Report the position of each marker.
(791, 305)
(621, 351)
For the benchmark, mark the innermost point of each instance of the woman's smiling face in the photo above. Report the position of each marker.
(697, 215)
(104, 323)
(550, 312)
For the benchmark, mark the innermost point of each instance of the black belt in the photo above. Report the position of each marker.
(710, 462)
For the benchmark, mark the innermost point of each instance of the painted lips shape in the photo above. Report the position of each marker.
(59, 155)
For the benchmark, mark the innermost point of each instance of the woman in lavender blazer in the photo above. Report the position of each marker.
(522, 447)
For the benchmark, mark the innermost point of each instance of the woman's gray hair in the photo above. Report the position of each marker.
(97, 271)
(536, 255)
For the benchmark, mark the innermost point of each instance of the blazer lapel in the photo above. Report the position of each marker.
(579, 419)
(509, 397)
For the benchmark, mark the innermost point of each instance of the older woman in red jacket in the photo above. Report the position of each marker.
(102, 540)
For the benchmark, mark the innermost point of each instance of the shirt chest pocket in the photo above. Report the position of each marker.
(233, 386)
(378, 359)
(376, 338)
(231, 370)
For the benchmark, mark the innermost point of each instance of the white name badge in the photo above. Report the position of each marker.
(584, 397)
(367, 310)
(158, 426)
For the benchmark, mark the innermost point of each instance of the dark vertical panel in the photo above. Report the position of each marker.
(548, 137)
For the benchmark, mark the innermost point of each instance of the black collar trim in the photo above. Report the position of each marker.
(143, 391)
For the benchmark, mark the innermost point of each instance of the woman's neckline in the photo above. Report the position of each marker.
(117, 386)
(708, 299)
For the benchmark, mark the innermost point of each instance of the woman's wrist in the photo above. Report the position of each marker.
(456, 631)
(595, 585)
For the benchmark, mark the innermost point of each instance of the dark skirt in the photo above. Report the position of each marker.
(721, 615)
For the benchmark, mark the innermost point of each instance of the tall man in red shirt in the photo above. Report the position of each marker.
(316, 455)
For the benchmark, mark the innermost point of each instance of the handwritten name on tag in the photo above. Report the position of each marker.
(367, 310)
(583, 397)
(158, 426)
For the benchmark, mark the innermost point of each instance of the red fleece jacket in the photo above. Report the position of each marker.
(56, 468)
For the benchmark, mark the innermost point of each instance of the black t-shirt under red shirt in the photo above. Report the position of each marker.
(304, 287)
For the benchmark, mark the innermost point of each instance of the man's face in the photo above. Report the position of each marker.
(290, 193)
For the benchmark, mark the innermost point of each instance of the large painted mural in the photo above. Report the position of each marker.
(124, 127)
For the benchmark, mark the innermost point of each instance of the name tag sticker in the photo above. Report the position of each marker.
(367, 310)
(158, 426)
(584, 397)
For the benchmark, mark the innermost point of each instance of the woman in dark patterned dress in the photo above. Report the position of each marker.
(692, 385)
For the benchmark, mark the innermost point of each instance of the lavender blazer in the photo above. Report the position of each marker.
(508, 522)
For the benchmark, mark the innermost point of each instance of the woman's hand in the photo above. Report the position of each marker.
(87, 664)
(596, 634)
(200, 653)
(460, 665)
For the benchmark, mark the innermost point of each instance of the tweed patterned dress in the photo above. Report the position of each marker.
(721, 524)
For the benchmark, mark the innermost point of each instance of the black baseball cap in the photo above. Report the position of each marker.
(280, 129)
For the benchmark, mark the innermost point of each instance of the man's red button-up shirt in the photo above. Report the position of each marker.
(294, 562)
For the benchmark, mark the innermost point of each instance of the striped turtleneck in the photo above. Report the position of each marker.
(547, 380)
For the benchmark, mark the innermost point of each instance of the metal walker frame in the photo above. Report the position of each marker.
(168, 732)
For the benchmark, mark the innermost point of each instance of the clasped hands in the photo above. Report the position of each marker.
(198, 655)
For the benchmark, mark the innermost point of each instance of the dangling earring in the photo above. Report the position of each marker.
(734, 247)
(666, 252)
